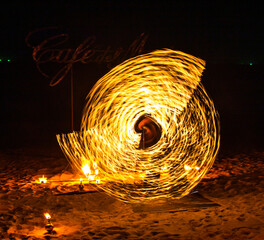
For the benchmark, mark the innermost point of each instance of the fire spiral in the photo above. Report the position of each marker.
(148, 128)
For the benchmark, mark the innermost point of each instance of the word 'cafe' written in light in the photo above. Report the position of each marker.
(47, 51)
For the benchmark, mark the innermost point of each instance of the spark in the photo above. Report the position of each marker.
(43, 179)
(86, 169)
(187, 168)
(47, 216)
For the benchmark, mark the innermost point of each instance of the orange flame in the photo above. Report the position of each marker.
(43, 179)
(47, 215)
(86, 170)
(187, 168)
(91, 174)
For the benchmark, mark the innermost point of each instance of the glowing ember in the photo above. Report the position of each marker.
(148, 127)
(187, 168)
(91, 174)
(165, 168)
(43, 179)
(47, 216)
(86, 170)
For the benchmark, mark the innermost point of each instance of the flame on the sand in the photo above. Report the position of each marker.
(91, 172)
(164, 85)
(86, 169)
(47, 215)
(43, 179)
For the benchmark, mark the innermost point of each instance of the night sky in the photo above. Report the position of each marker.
(229, 36)
(217, 32)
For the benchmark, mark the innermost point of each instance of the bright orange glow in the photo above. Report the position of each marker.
(86, 170)
(47, 215)
(43, 179)
(90, 173)
(187, 168)
(165, 168)
(164, 85)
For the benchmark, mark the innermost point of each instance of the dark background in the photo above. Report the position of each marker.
(228, 36)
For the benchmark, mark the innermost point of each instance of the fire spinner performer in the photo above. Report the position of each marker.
(149, 127)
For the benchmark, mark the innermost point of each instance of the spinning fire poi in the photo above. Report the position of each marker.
(148, 128)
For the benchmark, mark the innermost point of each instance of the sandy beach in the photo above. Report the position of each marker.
(226, 204)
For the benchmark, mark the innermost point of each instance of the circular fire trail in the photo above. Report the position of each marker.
(148, 128)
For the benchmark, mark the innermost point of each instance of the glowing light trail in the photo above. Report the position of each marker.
(148, 128)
